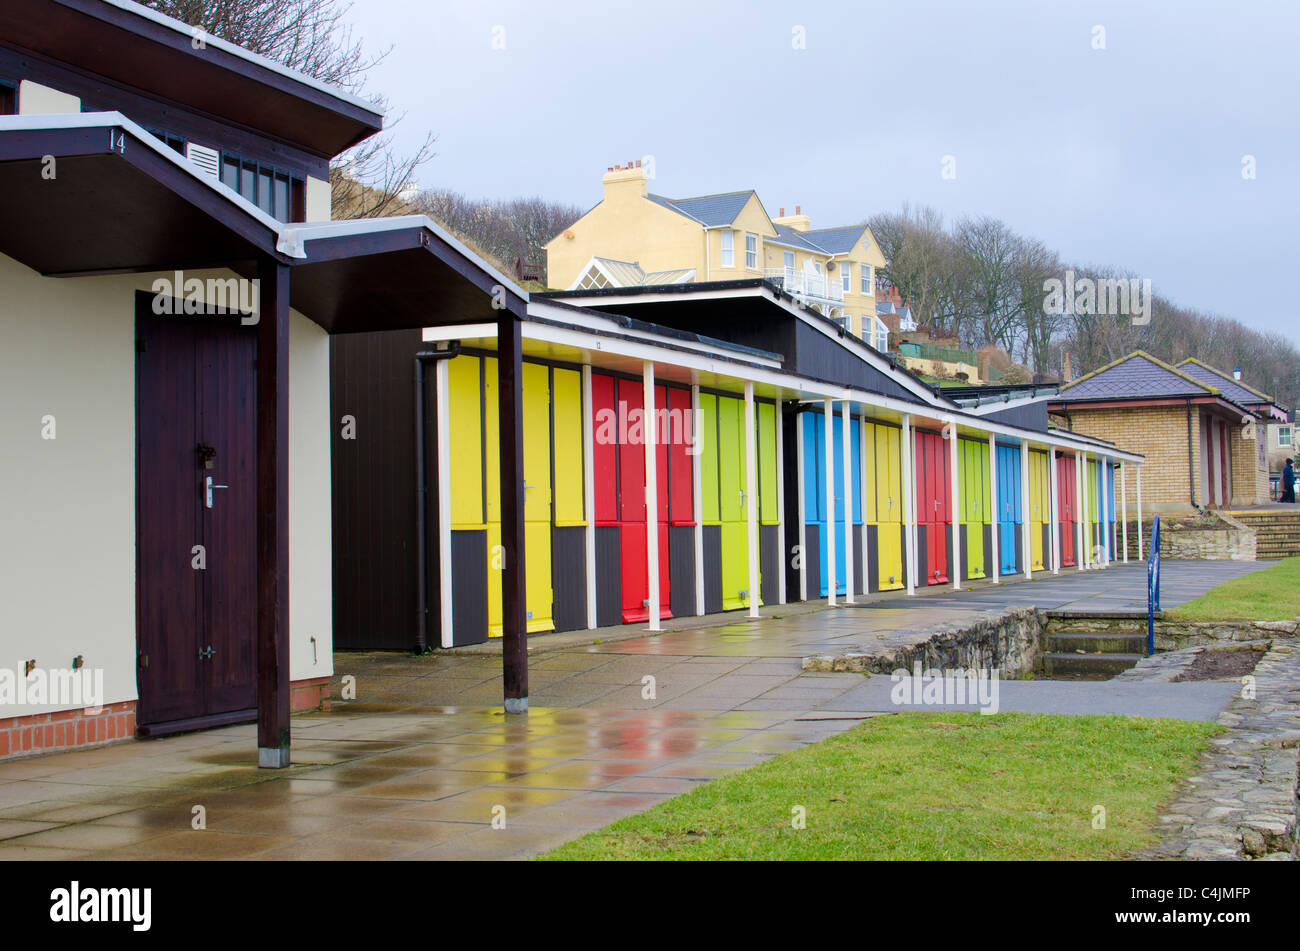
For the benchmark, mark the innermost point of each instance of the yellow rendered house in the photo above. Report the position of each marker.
(636, 238)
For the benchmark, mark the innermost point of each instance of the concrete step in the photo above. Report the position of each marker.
(1128, 642)
(1088, 666)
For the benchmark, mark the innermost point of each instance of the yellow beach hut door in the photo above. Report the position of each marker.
(537, 498)
(888, 495)
(733, 503)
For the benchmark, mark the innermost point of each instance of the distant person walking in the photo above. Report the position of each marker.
(1288, 483)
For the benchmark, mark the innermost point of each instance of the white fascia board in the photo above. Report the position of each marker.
(597, 322)
(90, 120)
(355, 226)
(859, 348)
(226, 47)
(806, 388)
(995, 407)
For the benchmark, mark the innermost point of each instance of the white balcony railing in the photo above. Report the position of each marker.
(807, 284)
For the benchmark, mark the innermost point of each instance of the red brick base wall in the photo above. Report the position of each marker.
(66, 729)
(72, 729)
(305, 695)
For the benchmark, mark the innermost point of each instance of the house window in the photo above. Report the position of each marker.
(789, 260)
(751, 251)
(728, 248)
(846, 274)
(1284, 435)
(279, 194)
(866, 279)
(8, 99)
(594, 278)
(174, 142)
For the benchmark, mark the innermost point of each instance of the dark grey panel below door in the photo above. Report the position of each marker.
(712, 569)
(609, 576)
(469, 604)
(569, 577)
(769, 563)
(681, 570)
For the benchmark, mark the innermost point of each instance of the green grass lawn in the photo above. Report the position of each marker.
(1269, 595)
(929, 786)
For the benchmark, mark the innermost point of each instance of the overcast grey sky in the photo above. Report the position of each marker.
(1129, 156)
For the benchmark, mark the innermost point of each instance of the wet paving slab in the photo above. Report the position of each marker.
(424, 764)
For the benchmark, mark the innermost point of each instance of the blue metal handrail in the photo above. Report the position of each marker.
(1153, 585)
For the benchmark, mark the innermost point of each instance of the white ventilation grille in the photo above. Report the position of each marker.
(208, 160)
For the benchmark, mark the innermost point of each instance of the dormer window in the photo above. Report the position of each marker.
(751, 251)
(728, 248)
(278, 193)
(174, 142)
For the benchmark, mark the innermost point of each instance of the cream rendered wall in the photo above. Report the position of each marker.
(67, 505)
(319, 200)
(638, 230)
(866, 251)
(753, 220)
(35, 99)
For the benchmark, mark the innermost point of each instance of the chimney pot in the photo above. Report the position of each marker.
(782, 214)
(610, 169)
(638, 163)
(797, 210)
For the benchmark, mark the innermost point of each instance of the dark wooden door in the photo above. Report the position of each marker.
(195, 422)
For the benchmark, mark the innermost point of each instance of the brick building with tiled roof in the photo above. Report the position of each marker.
(1200, 429)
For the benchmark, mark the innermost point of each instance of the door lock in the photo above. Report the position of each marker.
(208, 487)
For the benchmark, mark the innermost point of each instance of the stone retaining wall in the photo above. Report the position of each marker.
(1229, 540)
(1175, 635)
(1008, 641)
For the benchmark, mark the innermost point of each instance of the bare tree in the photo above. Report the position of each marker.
(315, 38)
(507, 231)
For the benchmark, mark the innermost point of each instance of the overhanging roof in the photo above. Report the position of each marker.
(741, 300)
(139, 47)
(114, 198)
(121, 201)
(392, 274)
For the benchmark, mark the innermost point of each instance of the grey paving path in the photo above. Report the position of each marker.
(1180, 701)
(421, 763)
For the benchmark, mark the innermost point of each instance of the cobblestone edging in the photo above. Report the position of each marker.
(1009, 641)
(1244, 802)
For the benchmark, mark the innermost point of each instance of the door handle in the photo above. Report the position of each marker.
(208, 487)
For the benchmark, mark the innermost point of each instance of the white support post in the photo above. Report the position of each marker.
(862, 504)
(1138, 474)
(589, 493)
(828, 494)
(650, 431)
(751, 496)
(1054, 534)
(446, 618)
(1107, 556)
(1080, 476)
(802, 522)
(908, 500)
(1089, 545)
(993, 507)
(954, 508)
(1123, 506)
(780, 503)
(1025, 520)
(697, 494)
(850, 562)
